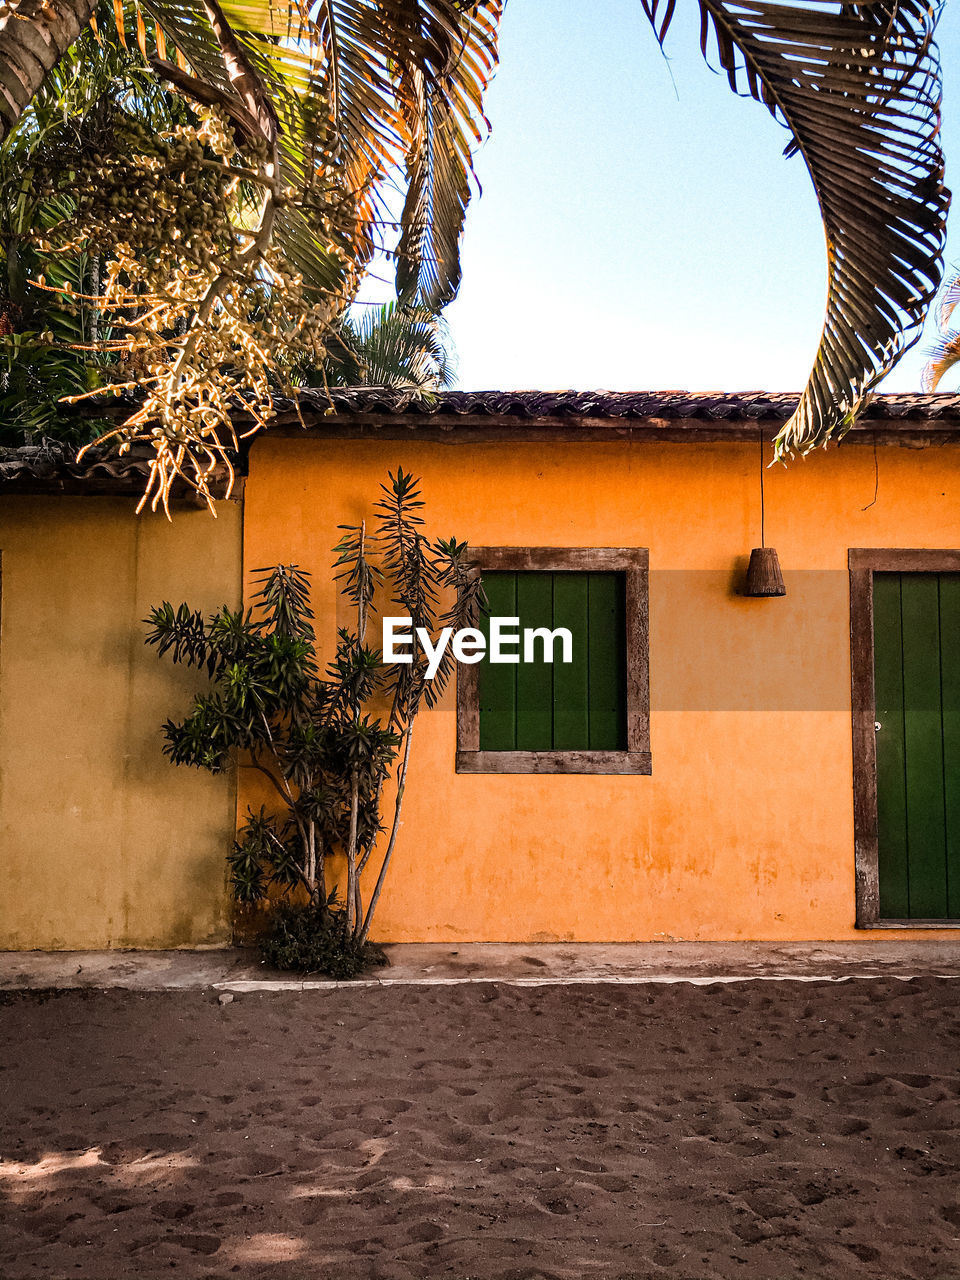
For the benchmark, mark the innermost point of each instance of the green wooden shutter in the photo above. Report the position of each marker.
(558, 706)
(498, 683)
(534, 680)
(917, 683)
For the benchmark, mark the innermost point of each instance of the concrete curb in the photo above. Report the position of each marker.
(633, 980)
(508, 964)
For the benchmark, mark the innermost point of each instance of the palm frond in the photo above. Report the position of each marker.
(949, 297)
(443, 114)
(361, 88)
(397, 346)
(943, 356)
(858, 86)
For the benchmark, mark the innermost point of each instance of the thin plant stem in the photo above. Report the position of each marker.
(398, 803)
(352, 921)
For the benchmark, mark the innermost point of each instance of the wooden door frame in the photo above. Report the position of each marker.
(863, 563)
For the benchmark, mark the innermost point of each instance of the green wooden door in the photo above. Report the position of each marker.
(916, 622)
(558, 706)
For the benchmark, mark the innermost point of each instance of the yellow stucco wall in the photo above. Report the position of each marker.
(744, 830)
(103, 842)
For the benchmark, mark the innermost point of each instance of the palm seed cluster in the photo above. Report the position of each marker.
(202, 317)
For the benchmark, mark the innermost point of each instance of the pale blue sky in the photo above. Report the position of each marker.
(626, 239)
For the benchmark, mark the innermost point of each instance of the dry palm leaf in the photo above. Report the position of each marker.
(858, 86)
(949, 298)
(942, 357)
(945, 353)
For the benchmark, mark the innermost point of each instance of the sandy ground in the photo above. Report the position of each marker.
(760, 1130)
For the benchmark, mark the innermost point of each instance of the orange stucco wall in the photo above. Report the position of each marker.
(103, 842)
(744, 830)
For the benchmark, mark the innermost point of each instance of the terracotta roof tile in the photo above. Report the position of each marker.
(911, 418)
(530, 405)
(51, 467)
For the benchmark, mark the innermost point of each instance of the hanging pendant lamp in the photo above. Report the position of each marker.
(763, 572)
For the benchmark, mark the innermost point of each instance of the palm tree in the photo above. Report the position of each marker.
(405, 348)
(367, 83)
(327, 102)
(49, 339)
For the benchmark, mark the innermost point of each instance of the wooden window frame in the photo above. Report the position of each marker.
(633, 563)
(863, 563)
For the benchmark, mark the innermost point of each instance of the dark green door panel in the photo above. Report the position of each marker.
(916, 630)
(923, 744)
(950, 692)
(891, 775)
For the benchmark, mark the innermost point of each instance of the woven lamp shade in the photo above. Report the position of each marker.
(763, 574)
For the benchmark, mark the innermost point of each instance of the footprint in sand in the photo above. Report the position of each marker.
(558, 1205)
(751, 1147)
(415, 1087)
(175, 1209)
(613, 1183)
(913, 1081)
(48, 1226)
(477, 1114)
(198, 1244)
(864, 1252)
(580, 1109)
(372, 1125)
(811, 1194)
(112, 1205)
(261, 1164)
(459, 1135)
(753, 1230)
(384, 1109)
(851, 1126)
(904, 1111)
(664, 1256)
(425, 1232)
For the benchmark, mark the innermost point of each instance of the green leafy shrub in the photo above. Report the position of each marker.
(306, 938)
(327, 739)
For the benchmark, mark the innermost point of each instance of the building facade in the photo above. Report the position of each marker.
(711, 766)
(707, 766)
